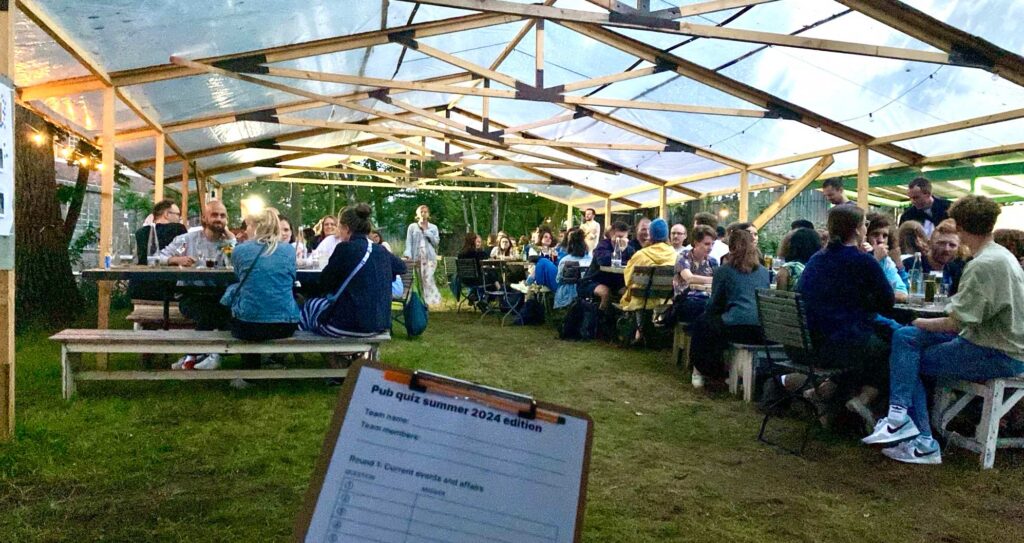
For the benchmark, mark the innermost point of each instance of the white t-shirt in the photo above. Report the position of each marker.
(326, 248)
(719, 249)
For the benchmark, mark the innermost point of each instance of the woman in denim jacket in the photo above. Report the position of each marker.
(261, 302)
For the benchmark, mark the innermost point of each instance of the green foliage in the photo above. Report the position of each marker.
(89, 236)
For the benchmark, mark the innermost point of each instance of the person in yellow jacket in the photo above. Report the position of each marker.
(658, 253)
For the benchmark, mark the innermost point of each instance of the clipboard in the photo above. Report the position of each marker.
(462, 463)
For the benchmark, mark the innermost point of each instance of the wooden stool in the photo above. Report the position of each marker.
(999, 397)
(742, 361)
(681, 347)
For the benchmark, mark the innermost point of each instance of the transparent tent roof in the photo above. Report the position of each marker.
(603, 101)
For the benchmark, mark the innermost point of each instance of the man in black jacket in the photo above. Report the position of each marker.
(926, 209)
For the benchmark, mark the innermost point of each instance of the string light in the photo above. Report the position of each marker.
(66, 152)
(38, 139)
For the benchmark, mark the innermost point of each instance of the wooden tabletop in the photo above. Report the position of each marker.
(177, 273)
(614, 269)
(926, 311)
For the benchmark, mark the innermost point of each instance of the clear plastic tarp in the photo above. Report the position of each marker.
(876, 96)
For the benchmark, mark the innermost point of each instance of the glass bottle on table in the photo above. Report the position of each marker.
(916, 276)
(617, 256)
(152, 247)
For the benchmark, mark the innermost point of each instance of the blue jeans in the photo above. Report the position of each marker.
(916, 352)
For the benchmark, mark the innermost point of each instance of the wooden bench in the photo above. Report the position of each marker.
(149, 315)
(742, 362)
(999, 396)
(681, 347)
(75, 342)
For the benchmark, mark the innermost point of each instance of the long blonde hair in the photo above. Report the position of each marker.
(266, 228)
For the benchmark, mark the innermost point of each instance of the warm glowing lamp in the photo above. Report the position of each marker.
(38, 138)
(724, 212)
(252, 205)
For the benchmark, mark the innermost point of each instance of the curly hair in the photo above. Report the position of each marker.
(1013, 240)
(975, 214)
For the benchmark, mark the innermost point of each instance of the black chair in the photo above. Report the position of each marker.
(784, 321)
(499, 297)
(467, 273)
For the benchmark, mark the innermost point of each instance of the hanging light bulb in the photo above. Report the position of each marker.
(66, 152)
(38, 138)
(99, 166)
(84, 162)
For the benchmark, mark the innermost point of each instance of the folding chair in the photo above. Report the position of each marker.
(498, 295)
(784, 321)
(467, 272)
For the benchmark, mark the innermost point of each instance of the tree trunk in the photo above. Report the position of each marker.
(504, 212)
(46, 292)
(75, 205)
(472, 210)
(350, 195)
(465, 212)
(295, 209)
(495, 215)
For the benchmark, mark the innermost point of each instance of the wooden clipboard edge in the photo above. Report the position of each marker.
(316, 482)
(323, 462)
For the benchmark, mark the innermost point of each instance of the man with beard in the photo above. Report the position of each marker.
(201, 302)
(591, 229)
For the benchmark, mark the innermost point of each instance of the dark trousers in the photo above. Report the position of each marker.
(710, 338)
(205, 310)
(260, 331)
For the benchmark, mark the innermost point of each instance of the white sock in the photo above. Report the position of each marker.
(927, 443)
(897, 413)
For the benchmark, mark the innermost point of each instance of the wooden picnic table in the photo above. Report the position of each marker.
(614, 269)
(170, 275)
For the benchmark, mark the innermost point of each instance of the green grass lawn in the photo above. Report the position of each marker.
(204, 462)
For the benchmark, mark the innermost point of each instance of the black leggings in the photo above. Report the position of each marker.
(710, 339)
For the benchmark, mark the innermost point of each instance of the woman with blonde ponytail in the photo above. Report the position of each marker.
(261, 302)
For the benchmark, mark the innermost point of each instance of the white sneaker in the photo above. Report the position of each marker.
(911, 452)
(697, 380)
(211, 362)
(885, 432)
(184, 363)
(238, 383)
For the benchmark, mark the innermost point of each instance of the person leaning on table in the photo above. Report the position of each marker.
(981, 339)
(165, 227)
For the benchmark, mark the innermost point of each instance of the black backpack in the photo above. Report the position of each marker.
(531, 313)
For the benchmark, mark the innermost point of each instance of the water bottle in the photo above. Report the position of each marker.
(916, 274)
(128, 254)
(617, 257)
(152, 247)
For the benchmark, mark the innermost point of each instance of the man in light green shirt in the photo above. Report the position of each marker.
(981, 339)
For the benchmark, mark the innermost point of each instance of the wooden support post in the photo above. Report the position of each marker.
(218, 193)
(7, 281)
(607, 214)
(201, 194)
(974, 185)
(538, 31)
(862, 177)
(158, 168)
(794, 188)
(568, 216)
(184, 193)
(106, 246)
(744, 195)
(663, 203)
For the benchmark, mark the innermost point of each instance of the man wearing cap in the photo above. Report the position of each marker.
(658, 253)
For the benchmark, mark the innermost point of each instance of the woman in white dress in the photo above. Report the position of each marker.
(421, 240)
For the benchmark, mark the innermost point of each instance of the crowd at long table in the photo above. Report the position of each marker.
(851, 274)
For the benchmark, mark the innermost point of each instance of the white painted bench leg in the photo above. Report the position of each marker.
(732, 358)
(67, 375)
(987, 433)
(748, 375)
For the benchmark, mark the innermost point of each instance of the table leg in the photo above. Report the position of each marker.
(168, 294)
(103, 317)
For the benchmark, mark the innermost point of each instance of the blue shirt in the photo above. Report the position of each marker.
(266, 295)
(567, 293)
(893, 276)
(843, 290)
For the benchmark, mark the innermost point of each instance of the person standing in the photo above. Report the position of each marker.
(835, 192)
(591, 229)
(421, 240)
(926, 209)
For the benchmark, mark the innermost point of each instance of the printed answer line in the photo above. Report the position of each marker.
(499, 445)
(412, 522)
(439, 512)
(466, 464)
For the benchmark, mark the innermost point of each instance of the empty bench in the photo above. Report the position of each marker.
(74, 342)
(149, 315)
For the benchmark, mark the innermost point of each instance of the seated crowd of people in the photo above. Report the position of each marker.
(849, 274)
